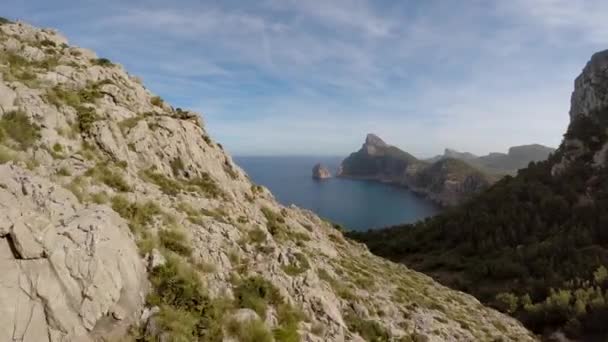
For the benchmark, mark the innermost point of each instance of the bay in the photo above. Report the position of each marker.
(355, 204)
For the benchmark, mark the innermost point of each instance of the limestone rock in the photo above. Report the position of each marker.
(320, 172)
(81, 255)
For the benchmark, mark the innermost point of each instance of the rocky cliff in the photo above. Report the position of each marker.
(446, 181)
(120, 218)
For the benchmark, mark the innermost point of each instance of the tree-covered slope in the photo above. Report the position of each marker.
(534, 245)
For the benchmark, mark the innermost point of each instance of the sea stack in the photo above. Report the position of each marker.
(320, 172)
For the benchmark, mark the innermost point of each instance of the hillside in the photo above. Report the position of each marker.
(447, 181)
(122, 219)
(534, 245)
(497, 163)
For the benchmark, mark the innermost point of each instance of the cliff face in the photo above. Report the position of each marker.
(119, 213)
(447, 181)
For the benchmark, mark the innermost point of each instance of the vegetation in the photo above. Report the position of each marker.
(78, 99)
(179, 290)
(102, 173)
(203, 185)
(156, 101)
(104, 62)
(175, 240)
(137, 214)
(17, 126)
(533, 245)
(4, 21)
(256, 293)
(370, 330)
(252, 330)
(288, 319)
(299, 266)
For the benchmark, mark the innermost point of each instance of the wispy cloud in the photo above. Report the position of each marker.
(290, 76)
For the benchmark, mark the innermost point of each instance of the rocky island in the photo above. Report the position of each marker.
(122, 219)
(320, 172)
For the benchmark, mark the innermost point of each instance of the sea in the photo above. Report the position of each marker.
(355, 204)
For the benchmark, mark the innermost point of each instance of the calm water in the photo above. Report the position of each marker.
(355, 204)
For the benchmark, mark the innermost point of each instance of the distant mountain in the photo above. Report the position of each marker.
(448, 181)
(517, 158)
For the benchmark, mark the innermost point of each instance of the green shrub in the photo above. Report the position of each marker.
(137, 214)
(178, 285)
(156, 101)
(47, 42)
(256, 293)
(253, 330)
(256, 236)
(57, 147)
(104, 62)
(17, 126)
(204, 185)
(288, 319)
(370, 330)
(167, 185)
(300, 266)
(6, 155)
(64, 172)
(113, 179)
(4, 21)
(506, 302)
(176, 324)
(175, 240)
(100, 197)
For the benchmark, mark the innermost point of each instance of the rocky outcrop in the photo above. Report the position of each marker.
(446, 181)
(65, 267)
(100, 178)
(320, 172)
(588, 101)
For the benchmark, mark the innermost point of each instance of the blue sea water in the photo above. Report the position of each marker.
(355, 204)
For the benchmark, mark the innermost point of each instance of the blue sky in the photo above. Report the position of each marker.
(312, 77)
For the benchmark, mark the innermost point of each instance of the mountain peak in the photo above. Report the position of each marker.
(374, 140)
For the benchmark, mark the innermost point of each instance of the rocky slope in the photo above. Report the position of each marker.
(120, 218)
(447, 181)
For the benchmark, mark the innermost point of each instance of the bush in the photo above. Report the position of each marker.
(137, 214)
(104, 62)
(4, 21)
(176, 241)
(300, 266)
(17, 126)
(253, 330)
(256, 293)
(370, 330)
(178, 285)
(156, 101)
(506, 302)
(176, 324)
(288, 319)
(167, 185)
(113, 179)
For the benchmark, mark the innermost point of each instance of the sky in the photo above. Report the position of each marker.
(313, 77)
